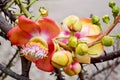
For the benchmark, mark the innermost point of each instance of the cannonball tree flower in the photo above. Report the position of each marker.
(35, 38)
(88, 34)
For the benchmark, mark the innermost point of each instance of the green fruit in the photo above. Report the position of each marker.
(107, 41)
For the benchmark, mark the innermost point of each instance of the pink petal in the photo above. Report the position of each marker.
(28, 25)
(89, 29)
(17, 36)
(49, 27)
(44, 64)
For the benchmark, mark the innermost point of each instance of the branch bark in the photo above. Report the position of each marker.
(59, 74)
(12, 74)
(109, 56)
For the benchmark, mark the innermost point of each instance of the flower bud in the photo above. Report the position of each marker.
(61, 59)
(70, 20)
(43, 11)
(95, 19)
(81, 49)
(73, 69)
(107, 41)
(77, 27)
(106, 19)
(115, 10)
(112, 4)
(72, 41)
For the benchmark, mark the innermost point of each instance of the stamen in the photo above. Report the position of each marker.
(35, 51)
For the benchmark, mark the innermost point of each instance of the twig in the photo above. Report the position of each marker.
(109, 56)
(7, 12)
(59, 74)
(11, 60)
(12, 74)
(23, 9)
(81, 76)
(4, 26)
(103, 69)
(25, 66)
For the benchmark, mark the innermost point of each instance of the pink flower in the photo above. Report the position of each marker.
(36, 40)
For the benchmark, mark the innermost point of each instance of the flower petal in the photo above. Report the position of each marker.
(44, 64)
(49, 27)
(51, 47)
(88, 26)
(96, 50)
(82, 59)
(28, 25)
(89, 39)
(17, 36)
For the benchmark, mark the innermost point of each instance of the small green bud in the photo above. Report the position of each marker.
(107, 41)
(81, 49)
(72, 41)
(115, 10)
(95, 19)
(106, 19)
(112, 4)
(77, 27)
(118, 36)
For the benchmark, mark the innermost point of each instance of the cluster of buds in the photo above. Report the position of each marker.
(78, 32)
(115, 8)
(64, 59)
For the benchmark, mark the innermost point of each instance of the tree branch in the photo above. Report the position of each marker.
(109, 56)
(7, 12)
(104, 68)
(11, 60)
(4, 26)
(12, 74)
(25, 66)
(59, 74)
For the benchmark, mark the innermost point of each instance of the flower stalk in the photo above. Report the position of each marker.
(110, 28)
(23, 9)
(9, 5)
(31, 3)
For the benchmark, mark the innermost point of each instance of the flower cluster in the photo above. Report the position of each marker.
(42, 41)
